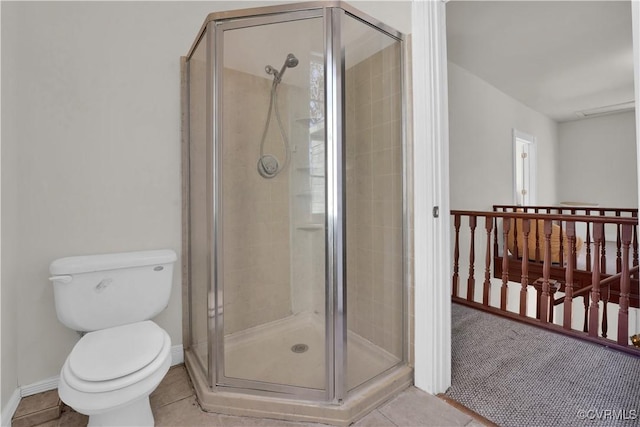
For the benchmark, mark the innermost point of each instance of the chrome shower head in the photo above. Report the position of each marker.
(291, 61)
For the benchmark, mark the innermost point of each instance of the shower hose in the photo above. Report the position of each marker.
(267, 170)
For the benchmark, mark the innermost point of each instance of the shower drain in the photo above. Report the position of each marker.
(299, 348)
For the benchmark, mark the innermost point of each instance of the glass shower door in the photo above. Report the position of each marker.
(271, 215)
(374, 201)
(199, 211)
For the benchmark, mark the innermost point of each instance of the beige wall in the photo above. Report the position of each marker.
(307, 207)
(481, 119)
(9, 216)
(256, 256)
(598, 161)
(90, 155)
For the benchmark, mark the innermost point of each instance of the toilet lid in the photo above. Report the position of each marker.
(115, 352)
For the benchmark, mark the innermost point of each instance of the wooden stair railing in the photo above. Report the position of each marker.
(588, 239)
(594, 284)
(584, 292)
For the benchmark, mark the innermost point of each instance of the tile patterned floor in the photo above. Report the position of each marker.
(174, 405)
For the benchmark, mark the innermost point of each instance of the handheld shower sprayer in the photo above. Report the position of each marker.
(290, 62)
(268, 166)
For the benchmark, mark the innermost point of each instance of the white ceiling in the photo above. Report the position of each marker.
(557, 57)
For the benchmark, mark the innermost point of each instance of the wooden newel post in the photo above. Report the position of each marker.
(594, 309)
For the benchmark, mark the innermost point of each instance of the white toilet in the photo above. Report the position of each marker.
(123, 356)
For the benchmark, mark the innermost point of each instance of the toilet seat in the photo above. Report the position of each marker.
(114, 358)
(115, 352)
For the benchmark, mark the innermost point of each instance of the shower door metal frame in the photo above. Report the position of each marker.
(341, 389)
(217, 375)
(335, 236)
(335, 233)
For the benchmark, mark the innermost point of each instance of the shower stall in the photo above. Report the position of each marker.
(295, 212)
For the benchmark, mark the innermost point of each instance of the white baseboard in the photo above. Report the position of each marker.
(10, 409)
(39, 387)
(177, 358)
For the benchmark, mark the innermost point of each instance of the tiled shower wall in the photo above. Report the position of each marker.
(374, 199)
(307, 227)
(255, 209)
(257, 225)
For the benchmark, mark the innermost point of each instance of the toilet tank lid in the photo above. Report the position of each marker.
(89, 263)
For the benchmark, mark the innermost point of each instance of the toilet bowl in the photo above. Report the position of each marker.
(111, 371)
(110, 374)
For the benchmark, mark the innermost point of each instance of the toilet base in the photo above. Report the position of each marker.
(137, 413)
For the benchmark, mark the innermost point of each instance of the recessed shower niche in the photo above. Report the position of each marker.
(295, 228)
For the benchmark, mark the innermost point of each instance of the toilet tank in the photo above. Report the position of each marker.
(101, 291)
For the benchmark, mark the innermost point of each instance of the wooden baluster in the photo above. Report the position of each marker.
(568, 286)
(594, 310)
(456, 255)
(635, 244)
(505, 264)
(604, 296)
(515, 237)
(618, 246)
(561, 254)
(588, 244)
(537, 239)
(526, 227)
(471, 282)
(487, 273)
(585, 299)
(546, 273)
(575, 254)
(553, 287)
(623, 312)
(603, 257)
(495, 239)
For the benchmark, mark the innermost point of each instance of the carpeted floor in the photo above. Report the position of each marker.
(518, 375)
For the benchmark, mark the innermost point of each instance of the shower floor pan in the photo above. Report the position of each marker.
(265, 353)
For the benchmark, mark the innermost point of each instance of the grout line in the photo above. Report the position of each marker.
(474, 415)
(386, 417)
(176, 401)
